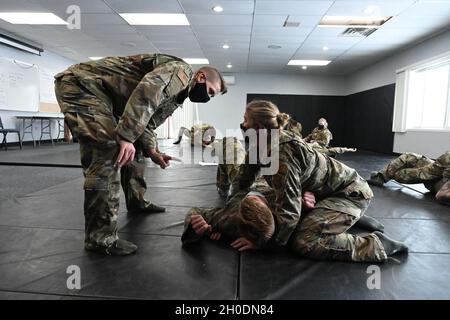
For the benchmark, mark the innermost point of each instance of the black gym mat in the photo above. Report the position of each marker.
(41, 234)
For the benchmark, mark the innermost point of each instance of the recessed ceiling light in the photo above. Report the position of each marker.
(304, 67)
(31, 18)
(308, 62)
(155, 19)
(196, 60)
(96, 58)
(217, 9)
(370, 9)
(274, 46)
(226, 46)
(353, 21)
(325, 48)
(229, 66)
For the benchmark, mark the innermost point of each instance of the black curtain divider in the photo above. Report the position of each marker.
(362, 120)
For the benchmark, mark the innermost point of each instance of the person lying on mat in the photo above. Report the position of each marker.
(416, 168)
(343, 197)
(247, 220)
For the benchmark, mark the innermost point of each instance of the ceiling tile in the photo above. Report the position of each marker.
(229, 6)
(306, 8)
(380, 7)
(200, 20)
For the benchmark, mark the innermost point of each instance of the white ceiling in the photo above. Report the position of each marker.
(248, 26)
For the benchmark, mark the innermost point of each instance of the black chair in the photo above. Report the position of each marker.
(5, 132)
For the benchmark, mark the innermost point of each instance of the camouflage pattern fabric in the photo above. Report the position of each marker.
(231, 155)
(321, 136)
(339, 190)
(416, 168)
(126, 96)
(294, 127)
(329, 151)
(197, 133)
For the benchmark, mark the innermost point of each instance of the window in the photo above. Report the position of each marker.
(427, 95)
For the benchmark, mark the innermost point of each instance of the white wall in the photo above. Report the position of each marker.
(227, 111)
(48, 62)
(431, 144)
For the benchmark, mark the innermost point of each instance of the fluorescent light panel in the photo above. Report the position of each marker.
(196, 60)
(18, 45)
(308, 62)
(31, 18)
(353, 21)
(155, 19)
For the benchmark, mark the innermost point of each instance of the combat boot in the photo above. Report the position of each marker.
(443, 195)
(178, 140)
(149, 208)
(119, 247)
(376, 179)
(391, 246)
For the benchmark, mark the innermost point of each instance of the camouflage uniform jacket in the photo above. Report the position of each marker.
(198, 131)
(294, 126)
(302, 168)
(143, 90)
(321, 136)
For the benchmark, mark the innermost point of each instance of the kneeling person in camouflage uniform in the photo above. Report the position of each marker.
(343, 197)
(113, 106)
(416, 168)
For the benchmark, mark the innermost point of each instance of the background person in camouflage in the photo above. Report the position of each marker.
(113, 106)
(416, 168)
(292, 125)
(205, 133)
(231, 154)
(320, 134)
(343, 197)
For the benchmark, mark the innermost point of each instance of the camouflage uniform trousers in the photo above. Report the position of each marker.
(322, 233)
(232, 157)
(91, 119)
(415, 168)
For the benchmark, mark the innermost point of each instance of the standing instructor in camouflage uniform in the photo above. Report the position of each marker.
(113, 106)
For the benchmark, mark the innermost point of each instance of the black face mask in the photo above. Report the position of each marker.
(199, 93)
(321, 126)
(246, 139)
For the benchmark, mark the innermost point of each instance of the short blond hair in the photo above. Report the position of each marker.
(214, 75)
(267, 114)
(255, 220)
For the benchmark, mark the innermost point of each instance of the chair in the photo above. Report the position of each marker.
(5, 132)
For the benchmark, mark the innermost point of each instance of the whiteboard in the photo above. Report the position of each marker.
(19, 86)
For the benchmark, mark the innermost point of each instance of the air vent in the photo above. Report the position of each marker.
(358, 32)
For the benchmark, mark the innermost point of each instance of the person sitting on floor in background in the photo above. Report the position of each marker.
(320, 138)
(203, 134)
(320, 134)
(416, 168)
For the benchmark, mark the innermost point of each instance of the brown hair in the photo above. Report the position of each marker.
(256, 221)
(214, 75)
(267, 114)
